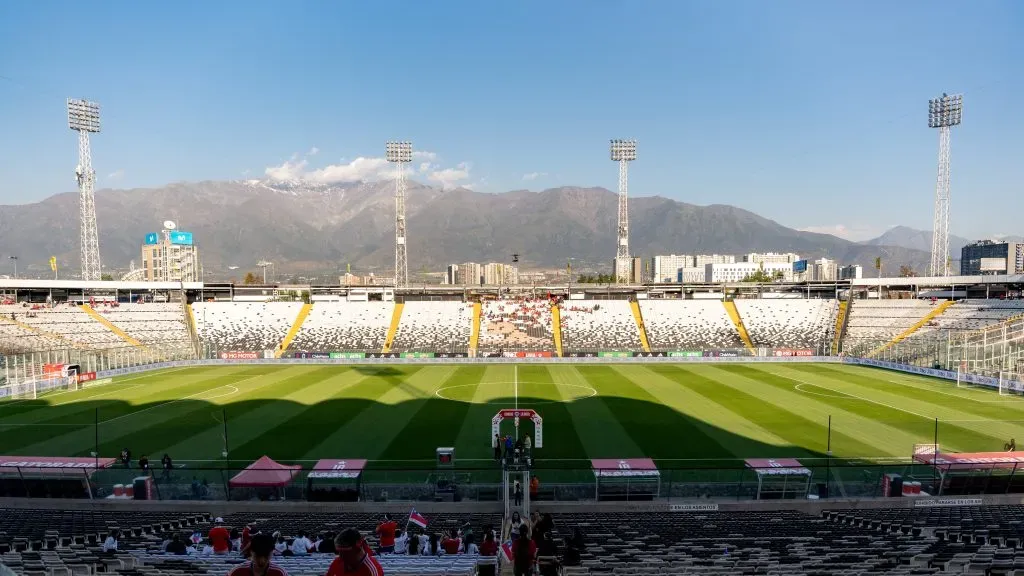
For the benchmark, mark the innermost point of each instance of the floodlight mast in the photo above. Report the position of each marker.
(943, 113)
(623, 152)
(400, 153)
(84, 118)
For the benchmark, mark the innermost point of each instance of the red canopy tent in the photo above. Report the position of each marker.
(263, 473)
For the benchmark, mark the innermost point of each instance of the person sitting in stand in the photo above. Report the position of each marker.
(110, 544)
(261, 549)
(401, 542)
(301, 544)
(450, 544)
(1011, 446)
(354, 557)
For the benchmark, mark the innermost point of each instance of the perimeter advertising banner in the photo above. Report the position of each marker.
(452, 355)
(239, 355)
(348, 355)
(313, 355)
(417, 355)
(686, 354)
(614, 354)
(650, 354)
(383, 355)
(580, 354)
(525, 354)
(788, 352)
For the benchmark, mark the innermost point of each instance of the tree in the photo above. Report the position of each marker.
(907, 272)
(250, 278)
(762, 277)
(106, 277)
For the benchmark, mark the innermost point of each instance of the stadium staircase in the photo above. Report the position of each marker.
(190, 321)
(474, 334)
(109, 325)
(556, 328)
(840, 331)
(935, 312)
(640, 325)
(294, 331)
(734, 315)
(396, 318)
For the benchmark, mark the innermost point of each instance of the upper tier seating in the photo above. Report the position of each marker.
(968, 315)
(244, 326)
(152, 323)
(66, 321)
(873, 323)
(344, 327)
(16, 339)
(428, 326)
(521, 324)
(599, 325)
(688, 325)
(787, 323)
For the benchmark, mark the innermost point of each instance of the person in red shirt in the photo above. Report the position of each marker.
(246, 541)
(386, 535)
(524, 554)
(354, 557)
(260, 548)
(450, 544)
(489, 547)
(220, 538)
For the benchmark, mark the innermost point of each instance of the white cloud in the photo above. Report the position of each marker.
(116, 174)
(450, 177)
(365, 169)
(313, 151)
(530, 176)
(852, 232)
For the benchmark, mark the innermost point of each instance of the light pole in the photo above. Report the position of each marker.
(943, 113)
(264, 264)
(623, 152)
(84, 118)
(400, 153)
(15, 260)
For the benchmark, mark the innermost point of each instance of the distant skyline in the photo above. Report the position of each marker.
(811, 114)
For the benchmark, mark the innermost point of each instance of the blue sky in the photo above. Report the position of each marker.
(810, 113)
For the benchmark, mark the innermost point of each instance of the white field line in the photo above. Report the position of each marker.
(967, 396)
(51, 395)
(190, 396)
(919, 415)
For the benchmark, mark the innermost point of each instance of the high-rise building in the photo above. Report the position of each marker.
(690, 275)
(469, 274)
(701, 260)
(851, 272)
(170, 256)
(665, 268)
(822, 270)
(451, 274)
(499, 274)
(737, 271)
(992, 257)
(771, 258)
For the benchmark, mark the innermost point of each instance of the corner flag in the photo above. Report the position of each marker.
(53, 263)
(416, 519)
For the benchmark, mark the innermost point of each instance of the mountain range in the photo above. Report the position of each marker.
(310, 229)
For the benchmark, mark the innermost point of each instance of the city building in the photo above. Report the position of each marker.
(469, 274)
(701, 260)
(451, 274)
(170, 256)
(665, 268)
(737, 271)
(992, 257)
(690, 275)
(771, 258)
(823, 270)
(499, 274)
(851, 272)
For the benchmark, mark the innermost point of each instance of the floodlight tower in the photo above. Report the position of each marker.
(623, 152)
(943, 113)
(84, 118)
(400, 153)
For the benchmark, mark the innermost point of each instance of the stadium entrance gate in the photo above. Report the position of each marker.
(517, 467)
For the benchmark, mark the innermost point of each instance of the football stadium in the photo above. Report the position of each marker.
(462, 405)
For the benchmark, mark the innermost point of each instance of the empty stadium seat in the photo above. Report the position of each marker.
(244, 326)
(150, 323)
(430, 326)
(599, 325)
(344, 327)
(798, 323)
(688, 325)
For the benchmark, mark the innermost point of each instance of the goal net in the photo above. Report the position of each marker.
(1010, 384)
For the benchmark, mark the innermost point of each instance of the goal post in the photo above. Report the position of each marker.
(961, 369)
(1010, 384)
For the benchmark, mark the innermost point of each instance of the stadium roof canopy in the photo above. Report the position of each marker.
(36, 284)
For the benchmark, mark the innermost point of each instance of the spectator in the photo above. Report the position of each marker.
(524, 554)
(386, 535)
(516, 524)
(236, 540)
(433, 546)
(177, 546)
(547, 555)
(414, 545)
(144, 464)
(353, 558)
(220, 539)
(450, 544)
(489, 547)
(527, 446)
(261, 548)
(517, 493)
(534, 487)
(401, 542)
(326, 543)
(497, 448)
(509, 447)
(301, 544)
(468, 547)
(126, 458)
(280, 544)
(110, 544)
(246, 541)
(574, 548)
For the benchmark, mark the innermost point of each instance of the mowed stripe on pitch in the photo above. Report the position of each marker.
(597, 424)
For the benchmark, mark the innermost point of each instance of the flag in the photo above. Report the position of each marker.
(53, 263)
(416, 519)
(348, 268)
(568, 268)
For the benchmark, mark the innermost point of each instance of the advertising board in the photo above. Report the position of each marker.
(800, 266)
(417, 355)
(614, 354)
(686, 354)
(180, 238)
(650, 354)
(312, 355)
(993, 265)
(152, 238)
(580, 354)
(452, 355)
(348, 355)
(239, 355)
(526, 354)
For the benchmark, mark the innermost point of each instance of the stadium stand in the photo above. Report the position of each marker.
(344, 327)
(688, 325)
(968, 315)
(521, 324)
(66, 322)
(787, 323)
(432, 326)
(16, 337)
(244, 326)
(599, 325)
(152, 323)
(874, 322)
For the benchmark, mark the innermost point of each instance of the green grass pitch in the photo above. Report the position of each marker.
(396, 416)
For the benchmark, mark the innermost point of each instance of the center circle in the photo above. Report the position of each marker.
(590, 389)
